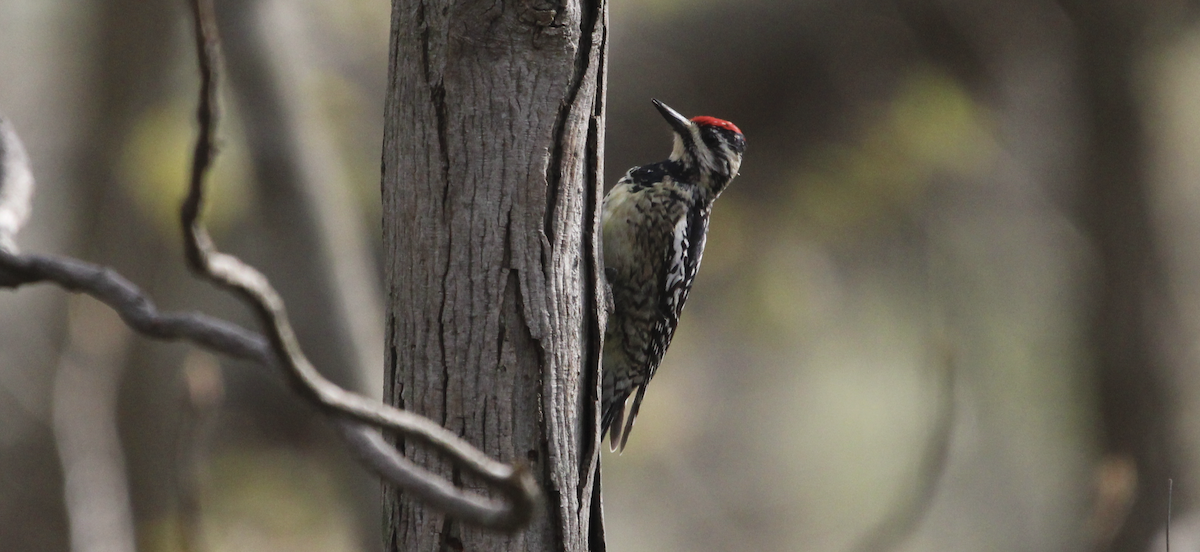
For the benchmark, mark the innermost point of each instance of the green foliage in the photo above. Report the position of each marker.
(931, 127)
(155, 163)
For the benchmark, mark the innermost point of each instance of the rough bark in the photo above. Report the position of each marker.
(491, 158)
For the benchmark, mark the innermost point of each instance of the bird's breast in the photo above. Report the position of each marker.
(638, 223)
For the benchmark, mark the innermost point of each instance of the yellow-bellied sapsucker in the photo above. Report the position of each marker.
(654, 223)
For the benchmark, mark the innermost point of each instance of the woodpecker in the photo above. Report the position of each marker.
(654, 223)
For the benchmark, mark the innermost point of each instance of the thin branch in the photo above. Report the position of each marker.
(352, 415)
(140, 313)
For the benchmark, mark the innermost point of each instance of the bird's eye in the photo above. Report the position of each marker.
(738, 143)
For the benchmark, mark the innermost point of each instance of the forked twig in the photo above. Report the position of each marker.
(354, 416)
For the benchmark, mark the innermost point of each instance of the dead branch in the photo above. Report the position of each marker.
(354, 416)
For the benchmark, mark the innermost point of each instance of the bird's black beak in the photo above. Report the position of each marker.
(677, 121)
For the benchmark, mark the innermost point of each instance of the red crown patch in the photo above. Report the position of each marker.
(713, 121)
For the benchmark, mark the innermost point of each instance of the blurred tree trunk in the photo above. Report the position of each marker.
(130, 62)
(119, 72)
(311, 228)
(491, 164)
(1135, 405)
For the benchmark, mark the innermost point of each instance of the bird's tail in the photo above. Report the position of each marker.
(611, 422)
(633, 412)
(616, 423)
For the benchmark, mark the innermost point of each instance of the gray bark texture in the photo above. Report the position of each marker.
(491, 162)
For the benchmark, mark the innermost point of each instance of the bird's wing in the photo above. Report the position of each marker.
(682, 263)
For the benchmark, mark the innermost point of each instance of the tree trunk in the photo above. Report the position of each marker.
(491, 164)
(1135, 401)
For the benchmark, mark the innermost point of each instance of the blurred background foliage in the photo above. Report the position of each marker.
(154, 168)
(950, 304)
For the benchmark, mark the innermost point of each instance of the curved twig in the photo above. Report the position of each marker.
(227, 271)
(351, 414)
(140, 313)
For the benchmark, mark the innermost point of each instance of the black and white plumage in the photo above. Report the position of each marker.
(654, 223)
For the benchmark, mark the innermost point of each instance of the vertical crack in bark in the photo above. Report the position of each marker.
(595, 534)
(553, 493)
(587, 490)
(483, 421)
(437, 99)
(437, 96)
(441, 331)
(583, 55)
(389, 362)
(441, 336)
(510, 279)
(589, 16)
(423, 23)
(392, 380)
(591, 321)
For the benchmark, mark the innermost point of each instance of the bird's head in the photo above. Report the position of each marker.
(712, 146)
